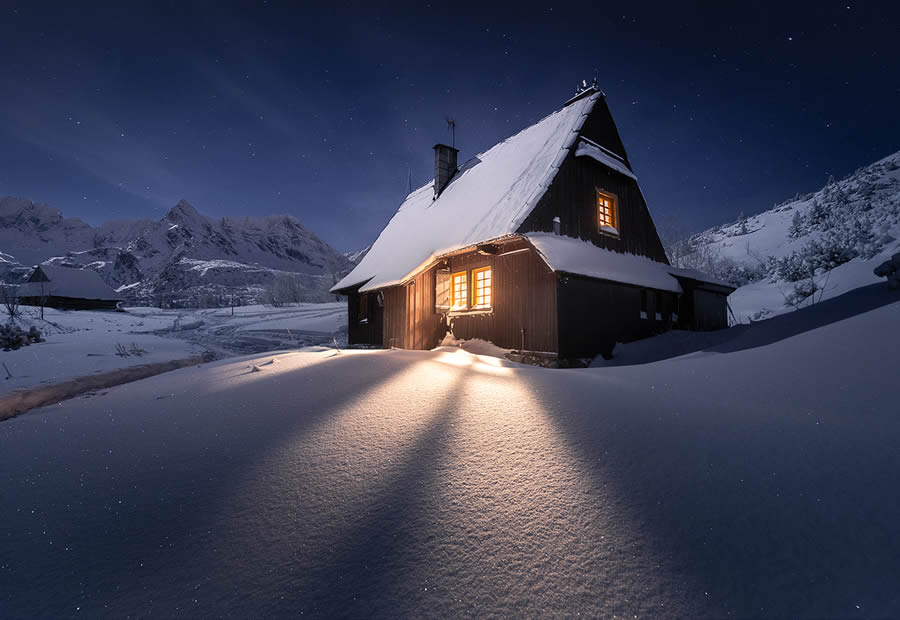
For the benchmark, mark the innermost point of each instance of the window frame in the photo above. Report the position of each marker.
(438, 308)
(473, 289)
(465, 274)
(613, 210)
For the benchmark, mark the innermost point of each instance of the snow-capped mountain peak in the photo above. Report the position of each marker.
(183, 212)
(163, 255)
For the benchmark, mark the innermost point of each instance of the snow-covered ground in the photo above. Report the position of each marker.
(766, 298)
(755, 477)
(81, 343)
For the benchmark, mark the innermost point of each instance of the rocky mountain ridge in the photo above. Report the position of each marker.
(180, 258)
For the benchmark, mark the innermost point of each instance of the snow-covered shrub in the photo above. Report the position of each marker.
(798, 228)
(802, 291)
(737, 273)
(792, 268)
(829, 252)
(14, 337)
(34, 334)
(890, 269)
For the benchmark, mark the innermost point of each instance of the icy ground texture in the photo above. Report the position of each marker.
(758, 481)
(84, 342)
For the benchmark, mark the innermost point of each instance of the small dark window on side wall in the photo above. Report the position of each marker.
(363, 314)
(659, 306)
(643, 304)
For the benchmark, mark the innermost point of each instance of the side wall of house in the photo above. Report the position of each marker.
(572, 197)
(595, 314)
(409, 318)
(523, 304)
(364, 318)
(70, 303)
(704, 307)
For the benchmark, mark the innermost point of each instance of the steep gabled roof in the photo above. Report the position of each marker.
(487, 199)
(68, 282)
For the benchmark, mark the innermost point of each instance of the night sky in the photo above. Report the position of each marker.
(113, 111)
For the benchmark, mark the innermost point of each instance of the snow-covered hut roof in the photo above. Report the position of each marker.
(487, 199)
(69, 282)
(584, 258)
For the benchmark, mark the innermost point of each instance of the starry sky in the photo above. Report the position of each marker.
(118, 110)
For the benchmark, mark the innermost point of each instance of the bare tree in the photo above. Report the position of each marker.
(283, 289)
(10, 299)
(44, 296)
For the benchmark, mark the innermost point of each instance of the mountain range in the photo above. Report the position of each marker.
(182, 259)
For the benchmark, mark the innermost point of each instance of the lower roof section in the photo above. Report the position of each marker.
(583, 258)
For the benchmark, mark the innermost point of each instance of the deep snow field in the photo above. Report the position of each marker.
(755, 476)
(84, 343)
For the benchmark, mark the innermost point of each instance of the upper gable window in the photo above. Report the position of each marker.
(607, 212)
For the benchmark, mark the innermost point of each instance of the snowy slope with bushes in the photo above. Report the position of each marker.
(810, 248)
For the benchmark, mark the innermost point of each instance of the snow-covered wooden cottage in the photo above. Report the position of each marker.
(542, 243)
(53, 286)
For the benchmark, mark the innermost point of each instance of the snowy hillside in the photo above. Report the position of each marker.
(807, 249)
(182, 258)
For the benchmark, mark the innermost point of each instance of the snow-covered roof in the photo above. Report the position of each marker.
(584, 258)
(586, 148)
(693, 274)
(68, 282)
(488, 198)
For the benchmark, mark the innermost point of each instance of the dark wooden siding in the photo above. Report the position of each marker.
(572, 197)
(600, 127)
(524, 300)
(409, 318)
(595, 314)
(70, 303)
(368, 332)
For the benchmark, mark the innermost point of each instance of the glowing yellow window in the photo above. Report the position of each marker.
(481, 287)
(607, 217)
(460, 287)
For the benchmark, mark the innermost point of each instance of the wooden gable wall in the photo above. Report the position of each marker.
(572, 197)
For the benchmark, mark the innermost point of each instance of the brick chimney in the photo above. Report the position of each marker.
(444, 166)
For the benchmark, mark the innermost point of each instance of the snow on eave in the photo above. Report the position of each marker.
(436, 258)
(587, 149)
(699, 276)
(583, 258)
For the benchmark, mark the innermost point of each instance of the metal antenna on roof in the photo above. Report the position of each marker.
(408, 181)
(451, 125)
